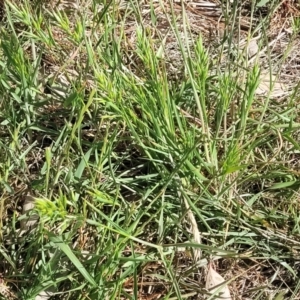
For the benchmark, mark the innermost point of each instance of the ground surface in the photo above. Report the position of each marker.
(147, 144)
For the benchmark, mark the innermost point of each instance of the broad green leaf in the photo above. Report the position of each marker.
(58, 242)
(282, 185)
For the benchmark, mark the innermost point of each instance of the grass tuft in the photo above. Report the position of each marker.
(143, 141)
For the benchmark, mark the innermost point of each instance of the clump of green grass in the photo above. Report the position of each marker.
(118, 152)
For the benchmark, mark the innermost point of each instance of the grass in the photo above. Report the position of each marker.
(140, 143)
